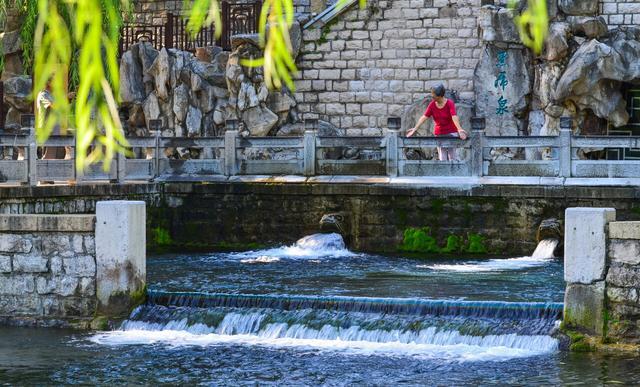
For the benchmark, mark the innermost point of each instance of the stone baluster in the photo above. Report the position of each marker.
(477, 146)
(564, 147)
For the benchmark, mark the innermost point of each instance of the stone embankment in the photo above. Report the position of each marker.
(602, 271)
(72, 270)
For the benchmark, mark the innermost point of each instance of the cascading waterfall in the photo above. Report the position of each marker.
(310, 247)
(460, 330)
(541, 256)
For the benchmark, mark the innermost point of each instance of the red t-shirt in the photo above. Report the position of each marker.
(442, 117)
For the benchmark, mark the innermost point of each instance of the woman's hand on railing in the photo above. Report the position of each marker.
(463, 135)
(411, 132)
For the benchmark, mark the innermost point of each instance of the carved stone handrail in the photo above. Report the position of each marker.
(313, 155)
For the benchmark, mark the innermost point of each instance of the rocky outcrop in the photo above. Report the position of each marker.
(578, 7)
(590, 27)
(594, 74)
(497, 25)
(193, 95)
(557, 45)
(504, 107)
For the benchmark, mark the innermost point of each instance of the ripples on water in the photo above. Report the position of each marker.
(324, 339)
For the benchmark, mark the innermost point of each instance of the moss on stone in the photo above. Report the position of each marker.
(454, 244)
(161, 236)
(475, 244)
(419, 240)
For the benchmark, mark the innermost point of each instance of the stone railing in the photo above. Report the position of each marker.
(69, 270)
(602, 271)
(313, 155)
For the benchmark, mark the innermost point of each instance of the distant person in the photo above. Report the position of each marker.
(447, 123)
(44, 102)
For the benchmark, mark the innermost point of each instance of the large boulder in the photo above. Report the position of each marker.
(591, 27)
(547, 75)
(146, 56)
(259, 120)
(160, 70)
(279, 101)
(578, 7)
(180, 102)
(151, 107)
(17, 91)
(131, 84)
(594, 74)
(556, 45)
(11, 42)
(194, 121)
(247, 96)
(504, 108)
(497, 25)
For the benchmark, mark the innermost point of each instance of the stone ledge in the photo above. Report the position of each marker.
(624, 230)
(47, 222)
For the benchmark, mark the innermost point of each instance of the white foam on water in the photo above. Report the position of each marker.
(261, 259)
(247, 329)
(310, 247)
(489, 348)
(540, 257)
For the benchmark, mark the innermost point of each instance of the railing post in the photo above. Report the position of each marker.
(477, 146)
(122, 168)
(33, 158)
(309, 152)
(564, 147)
(168, 32)
(391, 138)
(77, 172)
(230, 138)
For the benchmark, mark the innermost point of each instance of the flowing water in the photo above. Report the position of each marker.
(315, 313)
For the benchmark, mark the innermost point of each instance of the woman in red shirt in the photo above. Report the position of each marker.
(447, 124)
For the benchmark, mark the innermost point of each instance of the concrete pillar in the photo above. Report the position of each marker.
(585, 254)
(309, 153)
(120, 256)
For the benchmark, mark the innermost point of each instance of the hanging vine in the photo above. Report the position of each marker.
(113, 14)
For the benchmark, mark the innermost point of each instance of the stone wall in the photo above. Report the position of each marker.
(63, 270)
(373, 63)
(623, 282)
(618, 13)
(185, 216)
(155, 11)
(602, 271)
(48, 268)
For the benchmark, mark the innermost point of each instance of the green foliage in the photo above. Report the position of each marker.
(532, 24)
(161, 236)
(419, 240)
(67, 31)
(454, 244)
(475, 244)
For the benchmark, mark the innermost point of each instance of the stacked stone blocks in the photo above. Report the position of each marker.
(46, 270)
(373, 63)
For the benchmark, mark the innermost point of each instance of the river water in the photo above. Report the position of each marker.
(315, 313)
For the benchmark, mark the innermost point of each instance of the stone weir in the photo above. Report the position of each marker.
(495, 219)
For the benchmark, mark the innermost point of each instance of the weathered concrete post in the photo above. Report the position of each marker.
(585, 254)
(32, 154)
(392, 152)
(477, 131)
(122, 168)
(230, 137)
(564, 147)
(309, 152)
(120, 256)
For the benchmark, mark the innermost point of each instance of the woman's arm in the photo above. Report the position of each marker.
(413, 130)
(461, 132)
